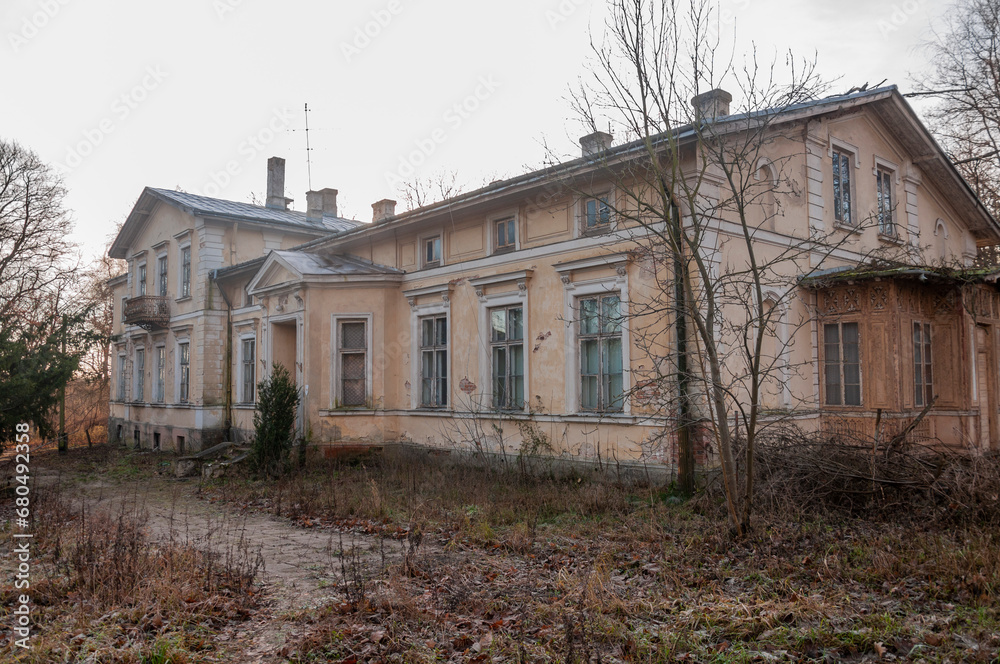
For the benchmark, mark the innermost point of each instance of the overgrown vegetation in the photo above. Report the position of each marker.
(274, 422)
(104, 589)
(500, 566)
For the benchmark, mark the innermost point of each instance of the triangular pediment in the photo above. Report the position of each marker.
(274, 272)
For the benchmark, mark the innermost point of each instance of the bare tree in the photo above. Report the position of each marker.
(39, 325)
(965, 80)
(87, 394)
(698, 190)
(418, 192)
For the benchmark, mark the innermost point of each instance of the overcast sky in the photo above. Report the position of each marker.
(197, 94)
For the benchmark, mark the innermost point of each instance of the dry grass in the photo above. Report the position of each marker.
(104, 591)
(539, 570)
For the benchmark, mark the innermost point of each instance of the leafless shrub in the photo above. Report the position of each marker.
(798, 471)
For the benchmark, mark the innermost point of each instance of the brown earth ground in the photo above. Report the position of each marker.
(410, 559)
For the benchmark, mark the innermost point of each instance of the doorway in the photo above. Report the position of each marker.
(284, 350)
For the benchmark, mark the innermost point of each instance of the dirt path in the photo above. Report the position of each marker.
(301, 567)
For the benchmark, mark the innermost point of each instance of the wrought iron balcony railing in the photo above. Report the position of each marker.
(147, 311)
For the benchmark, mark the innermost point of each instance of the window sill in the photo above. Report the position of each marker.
(596, 231)
(183, 299)
(245, 406)
(890, 239)
(504, 250)
(849, 228)
(334, 412)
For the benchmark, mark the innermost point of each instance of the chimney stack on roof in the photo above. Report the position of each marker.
(712, 104)
(596, 143)
(276, 184)
(383, 210)
(322, 203)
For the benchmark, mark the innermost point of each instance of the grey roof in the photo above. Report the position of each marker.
(339, 264)
(681, 133)
(221, 208)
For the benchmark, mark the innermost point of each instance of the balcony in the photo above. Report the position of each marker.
(148, 311)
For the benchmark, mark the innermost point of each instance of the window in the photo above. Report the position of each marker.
(352, 362)
(600, 338)
(124, 301)
(842, 187)
(156, 441)
(158, 387)
(161, 275)
(141, 287)
(248, 366)
(121, 377)
(923, 390)
(140, 369)
(184, 374)
(842, 364)
(505, 234)
(597, 213)
(434, 361)
(883, 189)
(186, 271)
(432, 251)
(507, 353)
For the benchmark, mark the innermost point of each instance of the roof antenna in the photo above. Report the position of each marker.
(308, 150)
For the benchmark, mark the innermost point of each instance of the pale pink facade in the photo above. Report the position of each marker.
(468, 322)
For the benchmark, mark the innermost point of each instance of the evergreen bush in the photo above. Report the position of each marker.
(274, 422)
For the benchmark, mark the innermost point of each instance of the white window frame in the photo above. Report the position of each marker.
(121, 393)
(159, 374)
(138, 374)
(184, 290)
(838, 145)
(141, 279)
(244, 398)
(610, 195)
(515, 293)
(179, 380)
(492, 222)
(880, 164)
(124, 303)
(417, 312)
(161, 277)
(336, 388)
(421, 247)
(573, 291)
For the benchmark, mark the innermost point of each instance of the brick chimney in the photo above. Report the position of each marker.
(383, 210)
(712, 104)
(596, 143)
(276, 185)
(322, 203)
